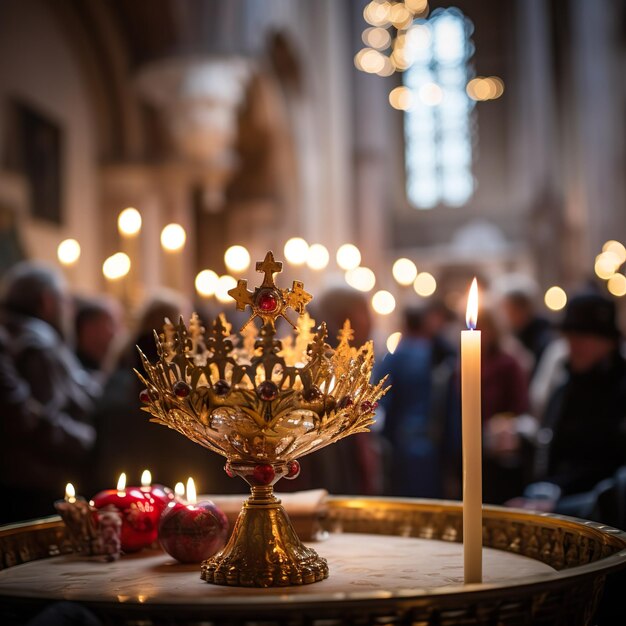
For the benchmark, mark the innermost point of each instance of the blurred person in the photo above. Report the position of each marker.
(127, 440)
(583, 435)
(438, 317)
(45, 395)
(532, 330)
(419, 412)
(504, 393)
(97, 321)
(354, 464)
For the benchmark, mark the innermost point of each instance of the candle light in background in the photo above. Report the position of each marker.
(296, 251)
(173, 238)
(114, 269)
(237, 259)
(472, 433)
(129, 224)
(68, 253)
(348, 257)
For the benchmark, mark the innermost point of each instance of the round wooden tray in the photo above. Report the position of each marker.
(392, 561)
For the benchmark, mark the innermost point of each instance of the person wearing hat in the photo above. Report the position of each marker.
(583, 434)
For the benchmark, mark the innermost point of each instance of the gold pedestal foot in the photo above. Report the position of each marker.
(264, 550)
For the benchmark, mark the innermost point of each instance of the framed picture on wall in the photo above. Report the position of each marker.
(38, 156)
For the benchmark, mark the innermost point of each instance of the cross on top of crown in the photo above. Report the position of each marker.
(269, 301)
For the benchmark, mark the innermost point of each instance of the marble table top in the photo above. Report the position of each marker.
(361, 566)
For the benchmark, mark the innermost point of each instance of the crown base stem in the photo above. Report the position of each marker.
(264, 549)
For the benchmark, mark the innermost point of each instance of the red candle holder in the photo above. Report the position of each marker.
(140, 514)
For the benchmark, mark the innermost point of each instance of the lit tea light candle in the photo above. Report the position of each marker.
(472, 431)
(140, 513)
(194, 531)
(70, 493)
(162, 495)
(179, 491)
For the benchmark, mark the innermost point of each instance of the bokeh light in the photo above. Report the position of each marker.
(348, 256)
(317, 257)
(369, 60)
(617, 285)
(430, 94)
(416, 6)
(404, 271)
(377, 13)
(206, 283)
(383, 302)
(116, 266)
(224, 284)
(173, 237)
(296, 251)
(606, 264)
(616, 248)
(485, 88)
(376, 37)
(237, 259)
(129, 222)
(401, 98)
(361, 278)
(392, 341)
(68, 252)
(555, 298)
(425, 284)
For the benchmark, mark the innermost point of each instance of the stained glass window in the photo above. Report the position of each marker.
(438, 125)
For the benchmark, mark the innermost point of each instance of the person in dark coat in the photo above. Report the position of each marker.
(419, 412)
(584, 425)
(45, 395)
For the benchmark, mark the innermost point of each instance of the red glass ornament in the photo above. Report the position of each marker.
(267, 301)
(140, 515)
(181, 389)
(293, 470)
(144, 396)
(192, 532)
(221, 387)
(263, 474)
(267, 390)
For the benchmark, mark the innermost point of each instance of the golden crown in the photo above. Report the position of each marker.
(257, 399)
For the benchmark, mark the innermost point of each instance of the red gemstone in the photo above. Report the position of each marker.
(293, 470)
(267, 390)
(144, 396)
(263, 474)
(181, 389)
(312, 394)
(267, 301)
(367, 407)
(229, 471)
(221, 387)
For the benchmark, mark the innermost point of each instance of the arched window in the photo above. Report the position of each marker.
(437, 127)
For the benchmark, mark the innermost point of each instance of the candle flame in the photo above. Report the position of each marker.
(179, 490)
(121, 483)
(70, 493)
(471, 315)
(146, 478)
(191, 491)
